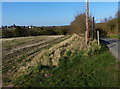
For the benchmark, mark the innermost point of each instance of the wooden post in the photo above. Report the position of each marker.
(98, 37)
(93, 29)
(87, 25)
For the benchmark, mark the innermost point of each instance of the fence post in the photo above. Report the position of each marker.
(93, 29)
(98, 37)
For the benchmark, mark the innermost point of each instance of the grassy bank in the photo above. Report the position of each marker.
(95, 67)
(115, 36)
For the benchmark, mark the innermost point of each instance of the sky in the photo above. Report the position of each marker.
(53, 13)
(59, 0)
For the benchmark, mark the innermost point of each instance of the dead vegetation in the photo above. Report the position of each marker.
(25, 59)
(51, 56)
(22, 50)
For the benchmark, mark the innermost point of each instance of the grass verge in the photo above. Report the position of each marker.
(116, 36)
(87, 68)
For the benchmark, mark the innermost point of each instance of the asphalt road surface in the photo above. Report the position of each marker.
(113, 45)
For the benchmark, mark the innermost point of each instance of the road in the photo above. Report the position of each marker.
(113, 45)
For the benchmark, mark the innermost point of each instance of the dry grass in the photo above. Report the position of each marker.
(51, 56)
(22, 50)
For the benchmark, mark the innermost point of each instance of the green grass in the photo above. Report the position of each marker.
(96, 69)
(116, 36)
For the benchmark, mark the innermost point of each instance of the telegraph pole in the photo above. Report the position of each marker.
(87, 25)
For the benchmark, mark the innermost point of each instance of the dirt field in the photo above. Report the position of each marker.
(21, 54)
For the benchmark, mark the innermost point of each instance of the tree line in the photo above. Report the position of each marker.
(106, 27)
(19, 31)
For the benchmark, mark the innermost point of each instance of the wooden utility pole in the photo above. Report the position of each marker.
(87, 25)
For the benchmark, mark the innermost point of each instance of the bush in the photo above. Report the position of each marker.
(8, 33)
(68, 53)
(109, 27)
(19, 31)
(79, 24)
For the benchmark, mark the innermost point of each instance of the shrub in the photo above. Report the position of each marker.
(79, 25)
(68, 53)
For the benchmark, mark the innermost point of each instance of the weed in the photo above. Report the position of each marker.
(68, 53)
